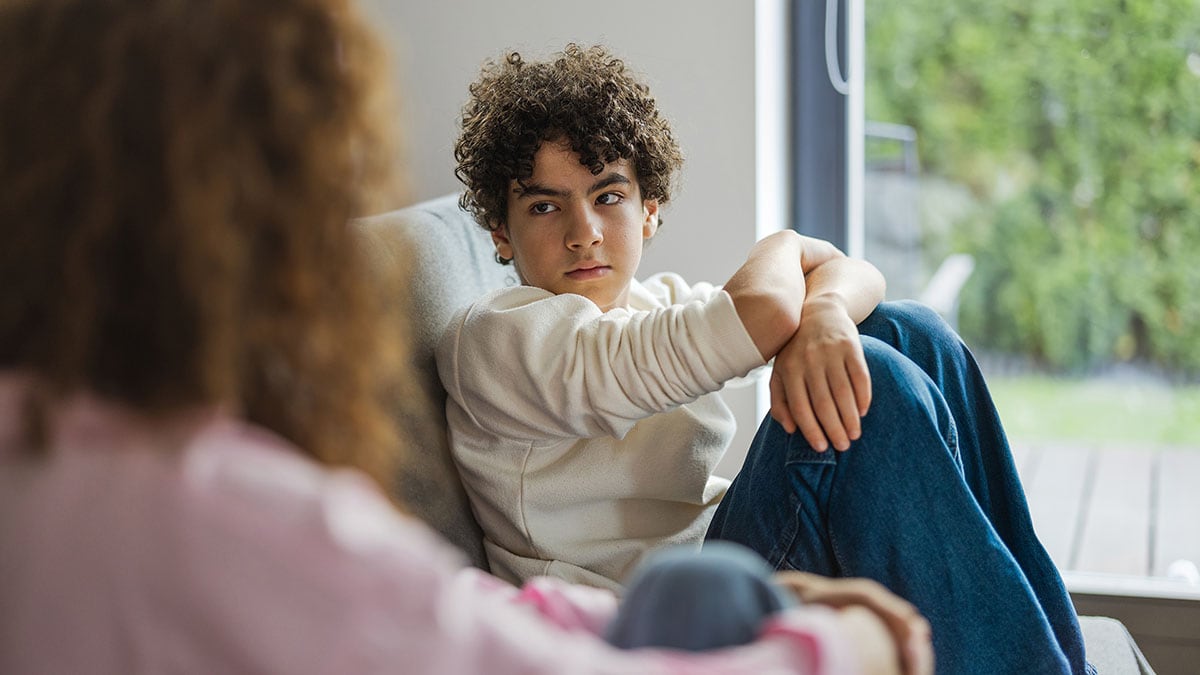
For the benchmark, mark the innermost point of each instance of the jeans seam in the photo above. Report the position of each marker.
(829, 532)
(779, 554)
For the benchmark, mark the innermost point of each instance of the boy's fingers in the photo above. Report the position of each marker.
(800, 406)
(847, 405)
(826, 410)
(779, 404)
(860, 379)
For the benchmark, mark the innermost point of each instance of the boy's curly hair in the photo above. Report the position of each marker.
(585, 97)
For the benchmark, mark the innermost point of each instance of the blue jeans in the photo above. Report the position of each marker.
(927, 502)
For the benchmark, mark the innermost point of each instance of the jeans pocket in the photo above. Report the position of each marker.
(800, 452)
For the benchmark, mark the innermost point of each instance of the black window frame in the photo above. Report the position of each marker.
(818, 126)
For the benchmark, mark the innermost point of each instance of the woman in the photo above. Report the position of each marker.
(192, 435)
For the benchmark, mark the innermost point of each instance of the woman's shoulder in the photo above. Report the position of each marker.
(217, 523)
(240, 468)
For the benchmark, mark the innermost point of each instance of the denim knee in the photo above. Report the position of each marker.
(893, 374)
(902, 392)
(923, 336)
(908, 320)
(911, 311)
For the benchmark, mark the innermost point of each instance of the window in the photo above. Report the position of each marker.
(1030, 169)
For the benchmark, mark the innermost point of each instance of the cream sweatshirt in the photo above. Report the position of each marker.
(586, 439)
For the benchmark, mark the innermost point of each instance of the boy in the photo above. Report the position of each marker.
(583, 406)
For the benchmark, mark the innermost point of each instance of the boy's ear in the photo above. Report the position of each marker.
(500, 240)
(650, 211)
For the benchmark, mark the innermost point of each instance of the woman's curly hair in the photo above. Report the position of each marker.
(584, 96)
(178, 180)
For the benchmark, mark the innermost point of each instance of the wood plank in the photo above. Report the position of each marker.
(1055, 489)
(1177, 521)
(1116, 529)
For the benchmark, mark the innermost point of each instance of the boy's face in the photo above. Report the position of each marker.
(571, 232)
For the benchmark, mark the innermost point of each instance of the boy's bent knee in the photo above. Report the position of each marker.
(901, 391)
(889, 369)
(912, 328)
(910, 315)
(912, 311)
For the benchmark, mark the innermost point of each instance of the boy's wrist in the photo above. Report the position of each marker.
(825, 301)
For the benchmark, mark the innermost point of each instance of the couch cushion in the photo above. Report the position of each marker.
(435, 259)
(1110, 647)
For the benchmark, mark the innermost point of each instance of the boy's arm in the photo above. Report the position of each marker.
(525, 364)
(805, 316)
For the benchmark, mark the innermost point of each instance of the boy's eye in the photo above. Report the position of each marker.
(541, 208)
(609, 198)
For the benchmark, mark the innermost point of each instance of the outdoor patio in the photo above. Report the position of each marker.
(1117, 521)
(1116, 510)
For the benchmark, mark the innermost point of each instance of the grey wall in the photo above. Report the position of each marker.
(699, 60)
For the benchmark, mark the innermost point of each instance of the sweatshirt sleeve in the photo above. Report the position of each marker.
(523, 363)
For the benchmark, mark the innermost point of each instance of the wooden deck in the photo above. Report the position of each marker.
(1115, 519)
(1114, 510)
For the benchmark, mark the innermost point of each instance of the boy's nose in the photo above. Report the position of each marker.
(584, 231)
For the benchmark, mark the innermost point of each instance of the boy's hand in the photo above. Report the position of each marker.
(820, 384)
(912, 646)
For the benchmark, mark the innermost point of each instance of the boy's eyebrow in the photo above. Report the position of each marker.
(613, 178)
(539, 190)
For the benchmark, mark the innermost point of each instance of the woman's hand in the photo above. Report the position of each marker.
(820, 384)
(871, 613)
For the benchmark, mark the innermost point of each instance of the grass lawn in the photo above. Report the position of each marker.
(1039, 408)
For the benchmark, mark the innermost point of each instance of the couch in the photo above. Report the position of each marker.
(434, 259)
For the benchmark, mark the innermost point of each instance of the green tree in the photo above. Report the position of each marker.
(1076, 125)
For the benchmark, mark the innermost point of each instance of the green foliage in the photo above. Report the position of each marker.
(1076, 125)
(1094, 410)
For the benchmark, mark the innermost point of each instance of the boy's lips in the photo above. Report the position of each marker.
(589, 270)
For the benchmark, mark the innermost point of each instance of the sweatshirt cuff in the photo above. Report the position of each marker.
(730, 350)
